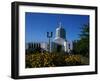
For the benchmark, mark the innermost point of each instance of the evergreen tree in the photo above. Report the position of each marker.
(84, 40)
(81, 46)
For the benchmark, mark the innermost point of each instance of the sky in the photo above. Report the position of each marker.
(38, 24)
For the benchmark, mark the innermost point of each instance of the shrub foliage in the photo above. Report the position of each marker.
(53, 59)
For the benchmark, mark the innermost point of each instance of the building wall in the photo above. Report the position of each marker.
(34, 45)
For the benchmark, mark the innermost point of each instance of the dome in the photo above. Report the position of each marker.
(59, 41)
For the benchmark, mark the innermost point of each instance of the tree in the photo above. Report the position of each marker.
(82, 45)
(84, 40)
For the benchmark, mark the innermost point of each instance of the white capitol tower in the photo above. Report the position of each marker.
(60, 32)
(60, 43)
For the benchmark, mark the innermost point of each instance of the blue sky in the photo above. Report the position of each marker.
(38, 24)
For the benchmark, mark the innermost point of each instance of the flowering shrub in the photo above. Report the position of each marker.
(53, 59)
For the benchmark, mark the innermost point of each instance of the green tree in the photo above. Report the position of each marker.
(84, 40)
(82, 45)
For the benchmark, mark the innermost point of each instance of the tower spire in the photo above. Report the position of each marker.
(60, 25)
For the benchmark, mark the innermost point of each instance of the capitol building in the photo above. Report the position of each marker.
(58, 44)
